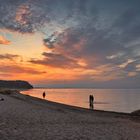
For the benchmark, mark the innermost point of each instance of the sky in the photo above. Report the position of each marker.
(71, 43)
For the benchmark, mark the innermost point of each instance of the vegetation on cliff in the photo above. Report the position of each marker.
(18, 84)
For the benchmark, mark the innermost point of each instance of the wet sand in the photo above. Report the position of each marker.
(28, 118)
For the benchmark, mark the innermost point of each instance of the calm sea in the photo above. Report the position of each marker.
(119, 100)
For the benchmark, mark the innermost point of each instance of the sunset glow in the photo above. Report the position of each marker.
(53, 44)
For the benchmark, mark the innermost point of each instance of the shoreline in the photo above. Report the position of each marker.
(107, 100)
(71, 107)
(27, 117)
(76, 107)
(17, 94)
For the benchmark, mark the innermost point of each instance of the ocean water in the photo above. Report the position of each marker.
(118, 100)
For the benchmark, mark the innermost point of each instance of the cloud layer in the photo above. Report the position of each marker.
(4, 41)
(8, 56)
(100, 38)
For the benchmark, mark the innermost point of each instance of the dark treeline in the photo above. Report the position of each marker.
(18, 84)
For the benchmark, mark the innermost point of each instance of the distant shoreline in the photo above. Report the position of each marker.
(35, 87)
(80, 108)
(17, 92)
(80, 98)
(15, 84)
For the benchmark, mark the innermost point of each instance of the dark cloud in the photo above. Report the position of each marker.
(100, 41)
(51, 40)
(27, 16)
(87, 43)
(8, 56)
(22, 16)
(19, 69)
(56, 60)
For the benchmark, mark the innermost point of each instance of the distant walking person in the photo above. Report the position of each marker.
(91, 101)
(44, 94)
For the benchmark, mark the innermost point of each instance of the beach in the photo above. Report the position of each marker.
(24, 117)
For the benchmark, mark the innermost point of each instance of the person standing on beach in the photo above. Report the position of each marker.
(91, 101)
(44, 94)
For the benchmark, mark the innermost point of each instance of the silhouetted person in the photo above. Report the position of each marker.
(44, 94)
(91, 101)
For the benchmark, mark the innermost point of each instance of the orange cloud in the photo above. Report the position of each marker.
(8, 56)
(4, 41)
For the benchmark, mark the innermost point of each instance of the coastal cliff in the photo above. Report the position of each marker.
(18, 84)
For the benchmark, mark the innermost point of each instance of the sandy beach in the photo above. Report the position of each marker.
(27, 118)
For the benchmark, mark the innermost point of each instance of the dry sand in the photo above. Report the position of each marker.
(28, 118)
